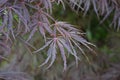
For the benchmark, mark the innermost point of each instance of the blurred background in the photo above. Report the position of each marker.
(104, 64)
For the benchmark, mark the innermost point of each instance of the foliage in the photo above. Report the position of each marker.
(22, 19)
(26, 17)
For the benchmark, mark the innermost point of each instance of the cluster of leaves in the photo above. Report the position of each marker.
(103, 8)
(22, 17)
(19, 18)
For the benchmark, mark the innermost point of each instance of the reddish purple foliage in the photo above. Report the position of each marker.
(21, 17)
